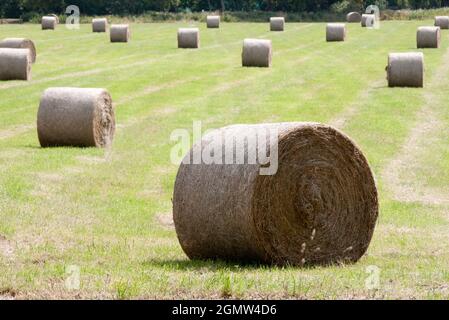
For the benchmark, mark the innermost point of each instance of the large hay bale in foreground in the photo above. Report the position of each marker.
(20, 43)
(188, 38)
(257, 53)
(277, 23)
(442, 22)
(75, 117)
(354, 17)
(119, 33)
(15, 64)
(335, 32)
(319, 208)
(213, 21)
(368, 20)
(48, 23)
(405, 69)
(99, 25)
(428, 37)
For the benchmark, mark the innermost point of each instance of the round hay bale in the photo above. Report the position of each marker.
(428, 37)
(20, 43)
(55, 16)
(442, 22)
(257, 53)
(319, 208)
(99, 25)
(189, 38)
(15, 64)
(354, 17)
(75, 117)
(368, 20)
(213, 21)
(277, 23)
(119, 33)
(405, 69)
(335, 32)
(49, 23)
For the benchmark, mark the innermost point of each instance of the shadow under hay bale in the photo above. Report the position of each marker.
(213, 22)
(119, 33)
(442, 22)
(335, 32)
(20, 43)
(188, 38)
(15, 64)
(99, 25)
(405, 69)
(257, 53)
(48, 23)
(428, 37)
(75, 117)
(354, 17)
(277, 24)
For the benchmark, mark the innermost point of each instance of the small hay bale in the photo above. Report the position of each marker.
(55, 16)
(442, 22)
(257, 53)
(428, 37)
(320, 208)
(405, 69)
(49, 23)
(119, 33)
(99, 25)
(20, 43)
(75, 117)
(277, 23)
(213, 21)
(335, 32)
(188, 38)
(15, 64)
(354, 17)
(368, 20)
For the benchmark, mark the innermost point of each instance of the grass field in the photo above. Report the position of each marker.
(109, 212)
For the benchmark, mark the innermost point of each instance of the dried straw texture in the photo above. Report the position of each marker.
(320, 208)
(15, 64)
(442, 22)
(277, 23)
(119, 33)
(189, 38)
(75, 117)
(354, 17)
(368, 20)
(335, 32)
(55, 16)
(405, 69)
(49, 23)
(99, 25)
(428, 37)
(213, 21)
(20, 43)
(257, 53)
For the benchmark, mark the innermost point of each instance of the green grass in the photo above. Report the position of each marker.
(102, 210)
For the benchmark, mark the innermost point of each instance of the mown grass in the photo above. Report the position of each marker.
(107, 211)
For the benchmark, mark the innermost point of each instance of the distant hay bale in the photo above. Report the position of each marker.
(75, 117)
(442, 22)
(213, 21)
(49, 23)
(20, 43)
(335, 32)
(257, 53)
(405, 69)
(99, 25)
(354, 17)
(368, 20)
(55, 16)
(15, 64)
(188, 38)
(277, 23)
(119, 33)
(320, 208)
(428, 37)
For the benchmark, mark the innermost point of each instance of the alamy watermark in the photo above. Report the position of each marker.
(72, 22)
(373, 22)
(372, 282)
(73, 281)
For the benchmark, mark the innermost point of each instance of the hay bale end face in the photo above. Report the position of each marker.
(354, 17)
(277, 23)
(20, 43)
(75, 117)
(15, 64)
(442, 22)
(49, 23)
(213, 22)
(368, 20)
(320, 208)
(405, 69)
(99, 25)
(257, 53)
(428, 37)
(335, 32)
(119, 33)
(188, 38)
